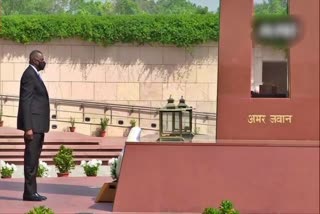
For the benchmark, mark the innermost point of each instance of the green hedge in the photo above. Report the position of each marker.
(179, 30)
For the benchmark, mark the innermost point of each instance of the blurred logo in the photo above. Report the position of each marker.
(276, 30)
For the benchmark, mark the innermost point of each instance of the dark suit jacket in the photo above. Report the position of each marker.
(34, 107)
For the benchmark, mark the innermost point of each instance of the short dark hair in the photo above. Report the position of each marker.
(34, 53)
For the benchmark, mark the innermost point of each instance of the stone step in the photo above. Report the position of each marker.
(5, 154)
(84, 147)
(46, 147)
(12, 135)
(16, 157)
(20, 141)
(8, 132)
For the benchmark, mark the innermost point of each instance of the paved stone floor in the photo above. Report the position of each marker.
(65, 195)
(74, 194)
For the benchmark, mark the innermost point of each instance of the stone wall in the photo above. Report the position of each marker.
(121, 74)
(129, 74)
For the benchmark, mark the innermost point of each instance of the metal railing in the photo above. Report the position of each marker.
(109, 108)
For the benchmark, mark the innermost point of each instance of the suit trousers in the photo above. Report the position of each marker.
(32, 153)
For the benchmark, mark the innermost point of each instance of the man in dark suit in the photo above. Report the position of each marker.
(33, 119)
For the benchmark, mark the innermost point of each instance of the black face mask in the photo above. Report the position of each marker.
(42, 65)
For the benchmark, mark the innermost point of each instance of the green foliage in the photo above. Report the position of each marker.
(104, 123)
(12, 7)
(1, 115)
(133, 122)
(114, 162)
(100, 7)
(147, 7)
(107, 7)
(6, 169)
(211, 211)
(64, 160)
(179, 30)
(72, 121)
(40, 210)
(226, 207)
(43, 169)
(91, 167)
(179, 7)
(129, 7)
(91, 171)
(279, 7)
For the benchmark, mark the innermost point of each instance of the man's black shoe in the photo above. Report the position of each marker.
(43, 198)
(32, 197)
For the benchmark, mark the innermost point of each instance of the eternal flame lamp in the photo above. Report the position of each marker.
(175, 121)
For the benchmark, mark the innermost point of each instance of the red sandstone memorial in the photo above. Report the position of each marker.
(266, 165)
(265, 158)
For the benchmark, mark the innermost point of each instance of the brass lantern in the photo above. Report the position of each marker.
(175, 121)
(186, 117)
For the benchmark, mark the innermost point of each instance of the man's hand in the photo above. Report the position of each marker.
(28, 134)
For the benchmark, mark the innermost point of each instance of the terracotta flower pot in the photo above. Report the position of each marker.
(72, 129)
(102, 133)
(91, 175)
(63, 174)
(6, 177)
(1, 123)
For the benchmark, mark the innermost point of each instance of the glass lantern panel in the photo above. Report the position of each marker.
(186, 121)
(176, 127)
(167, 122)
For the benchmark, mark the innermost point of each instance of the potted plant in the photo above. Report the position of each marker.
(114, 162)
(91, 168)
(72, 122)
(7, 169)
(115, 165)
(1, 121)
(103, 125)
(40, 209)
(43, 169)
(108, 190)
(64, 161)
(114, 171)
(133, 123)
(226, 207)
